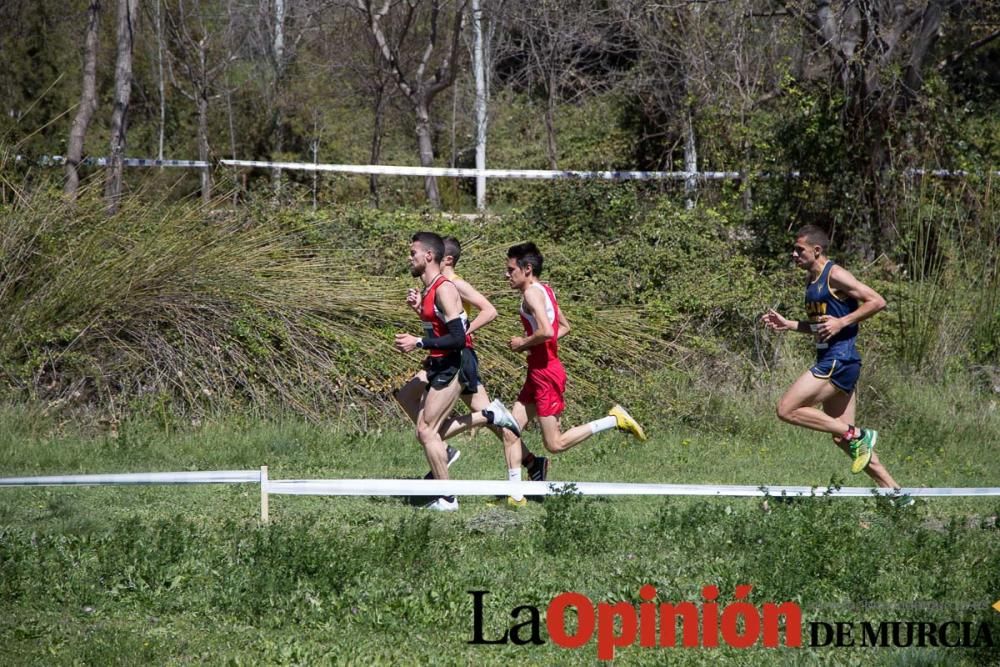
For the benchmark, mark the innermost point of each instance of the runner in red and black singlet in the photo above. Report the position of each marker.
(446, 369)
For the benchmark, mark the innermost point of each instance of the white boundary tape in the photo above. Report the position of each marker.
(209, 477)
(546, 174)
(59, 160)
(423, 487)
(420, 487)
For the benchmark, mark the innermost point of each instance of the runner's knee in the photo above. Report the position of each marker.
(785, 410)
(425, 432)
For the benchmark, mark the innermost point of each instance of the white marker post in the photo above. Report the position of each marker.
(265, 517)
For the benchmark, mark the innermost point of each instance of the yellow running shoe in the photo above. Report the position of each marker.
(523, 502)
(625, 422)
(862, 449)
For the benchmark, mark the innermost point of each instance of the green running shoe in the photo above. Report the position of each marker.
(862, 449)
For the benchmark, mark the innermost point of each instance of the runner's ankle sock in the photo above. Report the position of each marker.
(603, 424)
(527, 460)
(514, 475)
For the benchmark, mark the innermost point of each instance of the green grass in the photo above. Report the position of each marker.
(169, 575)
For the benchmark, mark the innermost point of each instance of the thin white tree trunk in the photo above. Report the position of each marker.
(203, 149)
(477, 28)
(690, 160)
(123, 87)
(88, 102)
(161, 83)
(279, 72)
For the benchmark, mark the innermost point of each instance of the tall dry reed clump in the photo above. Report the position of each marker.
(192, 309)
(181, 304)
(948, 314)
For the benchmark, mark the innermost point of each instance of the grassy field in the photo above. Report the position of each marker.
(168, 575)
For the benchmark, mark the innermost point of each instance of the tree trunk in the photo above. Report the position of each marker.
(425, 145)
(203, 152)
(480, 77)
(420, 91)
(123, 88)
(160, 83)
(550, 121)
(690, 160)
(88, 102)
(279, 74)
(375, 155)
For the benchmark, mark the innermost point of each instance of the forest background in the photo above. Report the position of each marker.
(221, 318)
(203, 290)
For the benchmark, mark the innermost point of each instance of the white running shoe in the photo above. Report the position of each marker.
(443, 504)
(503, 418)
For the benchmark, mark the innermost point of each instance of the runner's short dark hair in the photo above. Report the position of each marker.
(815, 236)
(432, 242)
(527, 254)
(452, 247)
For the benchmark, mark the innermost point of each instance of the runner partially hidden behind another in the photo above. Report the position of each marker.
(447, 370)
(835, 302)
(541, 396)
(477, 399)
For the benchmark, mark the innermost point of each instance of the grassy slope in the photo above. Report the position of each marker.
(178, 574)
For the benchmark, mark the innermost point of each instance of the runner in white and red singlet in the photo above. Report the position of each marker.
(542, 396)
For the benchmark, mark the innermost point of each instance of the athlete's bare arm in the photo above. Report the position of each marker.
(842, 282)
(534, 302)
(563, 324)
(486, 311)
(773, 320)
(448, 301)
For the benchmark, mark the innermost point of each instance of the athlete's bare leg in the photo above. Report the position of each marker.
(556, 441)
(796, 406)
(434, 407)
(409, 395)
(843, 406)
(514, 450)
(477, 403)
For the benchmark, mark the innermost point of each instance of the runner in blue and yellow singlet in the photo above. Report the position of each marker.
(836, 302)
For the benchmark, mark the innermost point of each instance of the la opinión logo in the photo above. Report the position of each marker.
(739, 624)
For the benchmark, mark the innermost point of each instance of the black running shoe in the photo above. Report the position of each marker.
(453, 455)
(538, 471)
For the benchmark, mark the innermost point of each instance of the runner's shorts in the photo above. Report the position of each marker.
(442, 370)
(470, 371)
(843, 373)
(545, 388)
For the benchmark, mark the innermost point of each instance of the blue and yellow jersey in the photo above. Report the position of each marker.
(822, 300)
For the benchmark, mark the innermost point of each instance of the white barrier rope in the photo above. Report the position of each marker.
(421, 487)
(209, 477)
(461, 487)
(545, 174)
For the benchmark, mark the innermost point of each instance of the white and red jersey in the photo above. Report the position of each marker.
(433, 320)
(542, 356)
